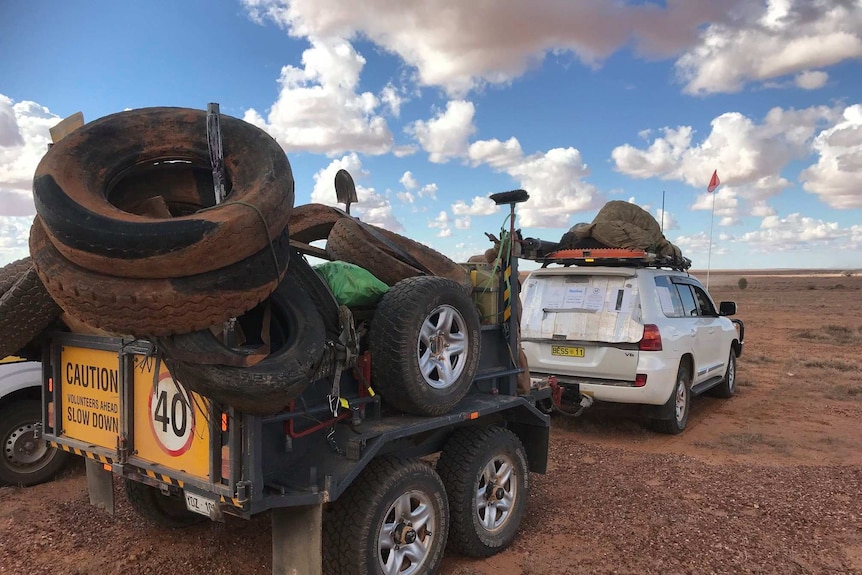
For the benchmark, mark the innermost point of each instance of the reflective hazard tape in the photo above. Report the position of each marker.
(164, 478)
(81, 452)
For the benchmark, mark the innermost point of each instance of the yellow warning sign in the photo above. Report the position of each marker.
(171, 423)
(90, 395)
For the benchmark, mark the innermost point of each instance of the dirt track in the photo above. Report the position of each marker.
(767, 482)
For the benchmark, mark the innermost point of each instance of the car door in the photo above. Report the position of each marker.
(692, 324)
(709, 334)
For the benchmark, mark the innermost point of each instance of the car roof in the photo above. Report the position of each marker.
(626, 271)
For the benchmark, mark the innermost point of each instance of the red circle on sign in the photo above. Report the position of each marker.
(180, 444)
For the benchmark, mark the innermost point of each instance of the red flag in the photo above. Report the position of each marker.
(713, 182)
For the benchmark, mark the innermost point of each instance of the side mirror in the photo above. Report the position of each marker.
(727, 308)
(345, 189)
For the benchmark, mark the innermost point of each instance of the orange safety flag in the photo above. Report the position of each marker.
(713, 182)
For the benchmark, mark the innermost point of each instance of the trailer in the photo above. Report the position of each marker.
(352, 485)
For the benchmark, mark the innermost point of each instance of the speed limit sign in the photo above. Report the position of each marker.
(172, 416)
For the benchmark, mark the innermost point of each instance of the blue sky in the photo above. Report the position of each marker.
(435, 104)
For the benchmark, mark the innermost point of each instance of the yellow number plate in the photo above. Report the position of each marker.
(567, 351)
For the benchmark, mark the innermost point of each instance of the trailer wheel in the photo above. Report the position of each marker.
(162, 510)
(424, 345)
(487, 480)
(161, 155)
(26, 460)
(350, 242)
(394, 519)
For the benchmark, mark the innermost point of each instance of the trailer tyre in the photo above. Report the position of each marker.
(350, 242)
(26, 309)
(162, 510)
(203, 363)
(161, 154)
(487, 481)
(424, 345)
(153, 307)
(393, 519)
(26, 460)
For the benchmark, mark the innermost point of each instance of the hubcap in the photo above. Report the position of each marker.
(681, 399)
(442, 347)
(406, 535)
(496, 493)
(22, 450)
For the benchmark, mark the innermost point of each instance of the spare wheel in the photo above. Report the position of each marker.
(389, 256)
(155, 306)
(297, 338)
(424, 345)
(121, 195)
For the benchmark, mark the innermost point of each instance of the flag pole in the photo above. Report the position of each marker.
(709, 253)
(662, 211)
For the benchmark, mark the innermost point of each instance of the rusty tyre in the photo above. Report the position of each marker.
(297, 337)
(26, 307)
(424, 341)
(312, 222)
(153, 307)
(162, 153)
(349, 242)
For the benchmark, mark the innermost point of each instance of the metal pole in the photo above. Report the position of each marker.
(709, 253)
(662, 211)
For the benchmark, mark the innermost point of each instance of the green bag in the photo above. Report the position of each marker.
(352, 285)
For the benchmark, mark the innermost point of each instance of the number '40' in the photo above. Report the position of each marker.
(178, 418)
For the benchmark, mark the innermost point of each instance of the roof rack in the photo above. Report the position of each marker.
(612, 257)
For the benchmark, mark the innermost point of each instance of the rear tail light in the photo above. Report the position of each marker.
(651, 341)
(640, 380)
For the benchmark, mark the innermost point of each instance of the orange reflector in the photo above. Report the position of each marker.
(474, 415)
(224, 421)
(107, 466)
(50, 385)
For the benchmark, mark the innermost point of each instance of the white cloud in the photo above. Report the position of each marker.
(811, 79)
(445, 136)
(14, 238)
(462, 223)
(372, 207)
(837, 175)
(442, 223)
(666, 220)
(393, 100)
(481, 206)
(408, 181)
(459, 45)
(405, 197)
(24, 139)
(318, 109)
(765, 40)
(800, 233)
(429, 191)
(699, 244)
(749, 156)
(554, 180)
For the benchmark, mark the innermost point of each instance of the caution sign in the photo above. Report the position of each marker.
(171, 424)
(90, 395)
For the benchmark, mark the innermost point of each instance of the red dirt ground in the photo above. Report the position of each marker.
(766, 482)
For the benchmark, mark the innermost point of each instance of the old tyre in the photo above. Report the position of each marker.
(312, 222)
(349, 241)
(162, 510)
(160, 155)
(727, 388)
(487, 481)
(392, 520)
(26, 460)
(319, 292)
(152, 307)
(678, 406)
(424, 345)
(10, 273)
(297, 340)
(26, 309)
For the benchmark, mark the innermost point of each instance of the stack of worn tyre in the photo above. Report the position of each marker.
(130, 240)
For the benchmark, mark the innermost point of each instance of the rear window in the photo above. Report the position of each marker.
(581, 307)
